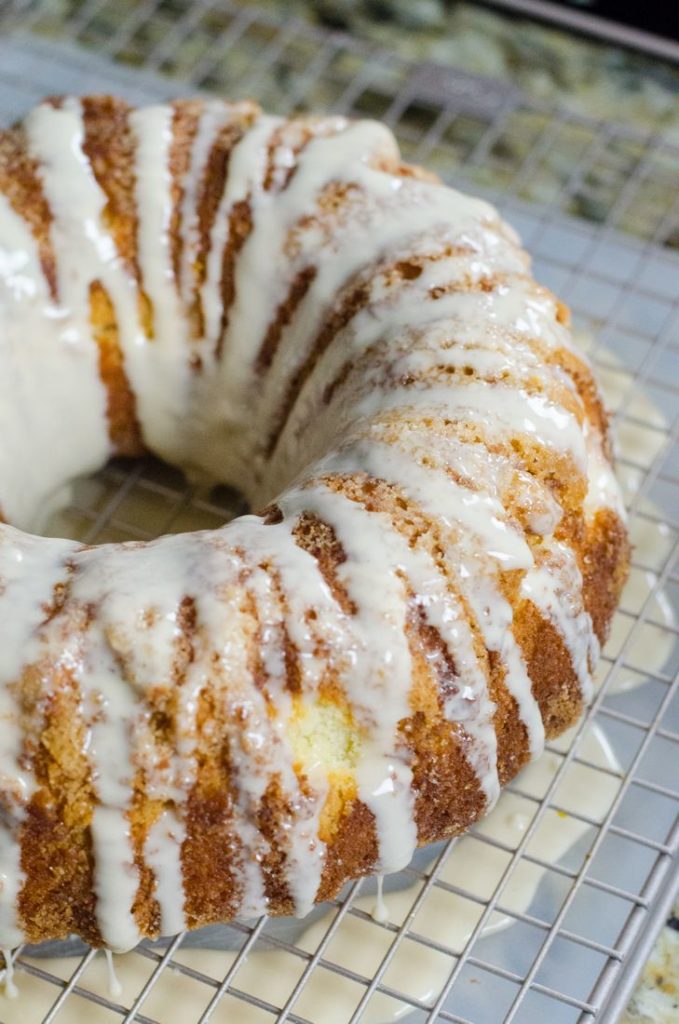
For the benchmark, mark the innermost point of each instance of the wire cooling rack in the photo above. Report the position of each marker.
(598, 206)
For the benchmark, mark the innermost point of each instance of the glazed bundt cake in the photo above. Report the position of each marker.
(235, 722)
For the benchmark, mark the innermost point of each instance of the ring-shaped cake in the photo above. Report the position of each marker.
(235, 722)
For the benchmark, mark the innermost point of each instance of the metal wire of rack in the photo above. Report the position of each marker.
(598, 206)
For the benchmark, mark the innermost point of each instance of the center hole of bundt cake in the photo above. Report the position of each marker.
(140, 499)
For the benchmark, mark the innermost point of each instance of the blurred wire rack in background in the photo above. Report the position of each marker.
(597, 204)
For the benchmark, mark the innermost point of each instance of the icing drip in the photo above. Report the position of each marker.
(162, 852)
(419, 306)
(379, 690)
(445, 919)
(214, 116)
(374, 550)
(30, 569)
(115, 989)
(10, 989)
(603, 490)
(247, 165)
(487, 536)
(159, 366)
(49, 365)
(555, 587)
(380, 912)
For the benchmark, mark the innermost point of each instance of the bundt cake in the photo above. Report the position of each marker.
(236, 722)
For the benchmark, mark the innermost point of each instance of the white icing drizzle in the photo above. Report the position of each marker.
(484, 521)
(374, 550)
(379, 690)
(162, 852)
(339, 156)
(219, 611)
(116, 879)
(86, 250)
(419, 335)
(115, 989)
(305, 852)
(110, 707)
(10, 989)
(259, 747)
(555, 588)
(159, 366)
(477, 319)
(247, 165)
(603, 490)
(214, 116)
(492, 406)
(152, 130)
(451, 503)
(49, 365)
(380, 911)
(356, 245)
(30, 568)
(449, 921)
(136, 627)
